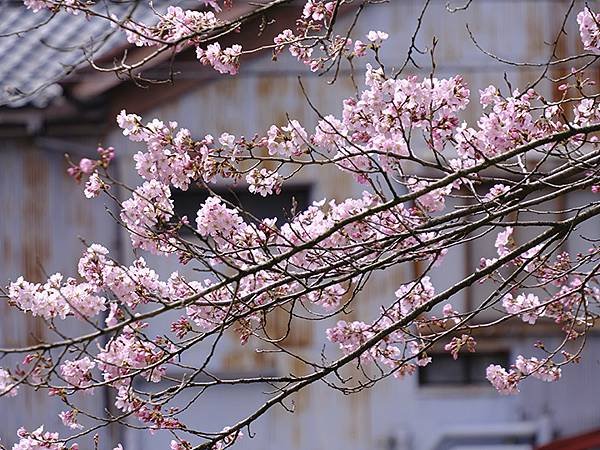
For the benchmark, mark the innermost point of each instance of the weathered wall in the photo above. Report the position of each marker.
(42, 215)
(395, 415)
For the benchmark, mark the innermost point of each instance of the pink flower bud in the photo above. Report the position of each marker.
(87, 165)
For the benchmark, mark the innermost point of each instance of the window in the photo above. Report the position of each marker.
(281, 206)
(468, 369)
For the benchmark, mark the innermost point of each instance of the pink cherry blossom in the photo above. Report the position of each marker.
(290, 140)
(78, 373)
(503, 241)
(525, 305)
(264, 182)
(223, 61)
(36, 5)
(69, 419)
(588, 29)
(7, 384)
(217, 220)
(545, 371)
(93, 186)
(412, 295)
(149, 207)
(57, 297)
(377, 37)
(505, 382)
(38, 440)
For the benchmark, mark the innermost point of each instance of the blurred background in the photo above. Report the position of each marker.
(45, 220)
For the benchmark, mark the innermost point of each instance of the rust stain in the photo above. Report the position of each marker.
(299, 333)
(234, 361)
(360, 429)
(7, 252)
(563, 48)
(35, 216)
(244, 360)
(35, 238)
(299, 369)
(264, 87)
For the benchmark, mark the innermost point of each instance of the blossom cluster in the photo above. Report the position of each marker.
(78, 373)
(396, 349)
(290, 140)
(184, 28)
(150, 207)
(315, 15)
(7, 384)
(225, 60)
(528, 306)
(40, 439)
(507, 382)
(376, 126)
(87, 167)
(57, 298)
(510, 123)
(264, 182)
(589, 30)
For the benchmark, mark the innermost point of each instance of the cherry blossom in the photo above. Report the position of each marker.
(217, 220)
(94, 186)
(496, 192)
(503, 241)
(544, 371)
(244, 271)
(412, 295)
(78, 373)
(57, 297)
(223, 61)
(128, 352)
(264, 182)
(36, 5)
(7, 384)
(69, 419)
(290, 140)
(150, 206)
(505, 382)
(588, 30)
(525, 305)
(377, 37)
(40, 439)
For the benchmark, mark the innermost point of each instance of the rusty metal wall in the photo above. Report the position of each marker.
(395, 415)
(42, 213)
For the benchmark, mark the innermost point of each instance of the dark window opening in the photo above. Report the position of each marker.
(468, 369)
(292, 199)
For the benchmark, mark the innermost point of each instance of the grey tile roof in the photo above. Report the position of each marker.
(32, 62)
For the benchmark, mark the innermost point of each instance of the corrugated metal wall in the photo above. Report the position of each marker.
(42, 214)
(395, 415)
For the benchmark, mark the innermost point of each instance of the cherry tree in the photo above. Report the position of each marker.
(404, 140)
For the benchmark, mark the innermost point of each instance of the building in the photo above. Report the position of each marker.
(42, 213)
